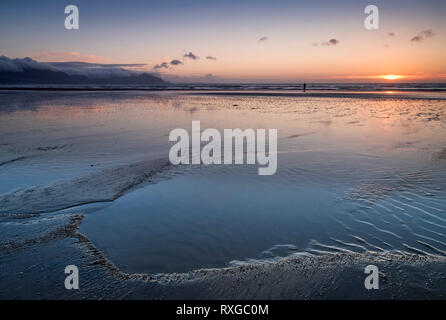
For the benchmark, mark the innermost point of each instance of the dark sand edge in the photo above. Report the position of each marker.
(102, 186)
(329, 276)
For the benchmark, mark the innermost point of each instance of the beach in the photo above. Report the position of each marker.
(85, 179)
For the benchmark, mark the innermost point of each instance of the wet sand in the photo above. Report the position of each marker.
(333, 276)
(69, 173)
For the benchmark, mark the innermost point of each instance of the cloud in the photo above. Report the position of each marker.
(262, 39)
(19, 65)
(190, 55)
(161, 65)
(211, 58)
(423, 35)
(427, 33)
(417, 39)
(331, 42)
(391, 34)
(98, 70)
(93, 70)
(175, 62)
(79, 64)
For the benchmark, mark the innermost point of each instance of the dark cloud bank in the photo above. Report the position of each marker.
(29, 71)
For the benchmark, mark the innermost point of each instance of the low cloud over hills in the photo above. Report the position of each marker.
(29, 71)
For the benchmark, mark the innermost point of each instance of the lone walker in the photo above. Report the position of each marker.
(304, 87)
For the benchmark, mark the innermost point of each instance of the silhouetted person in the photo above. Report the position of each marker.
(305, 87)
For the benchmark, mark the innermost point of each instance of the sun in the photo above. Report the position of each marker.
(391, 77)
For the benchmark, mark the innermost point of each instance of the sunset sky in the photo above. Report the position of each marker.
(277, 41)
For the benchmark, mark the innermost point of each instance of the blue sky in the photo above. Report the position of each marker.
(153, 32)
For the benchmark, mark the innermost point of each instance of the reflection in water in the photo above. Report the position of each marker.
(353, 174)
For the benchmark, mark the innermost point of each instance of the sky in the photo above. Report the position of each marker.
(236, 41)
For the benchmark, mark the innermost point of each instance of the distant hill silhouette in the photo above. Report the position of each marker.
(41, 76)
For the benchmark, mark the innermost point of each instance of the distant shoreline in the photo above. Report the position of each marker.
(288, 93)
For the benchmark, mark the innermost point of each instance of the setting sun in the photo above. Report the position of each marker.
(391, 77)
